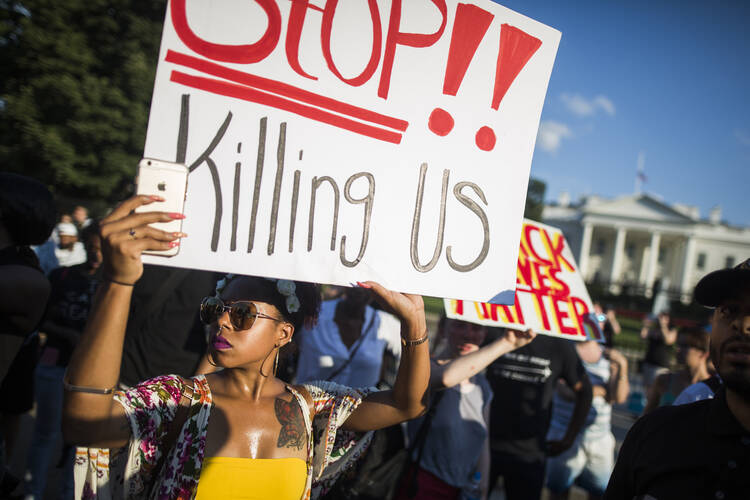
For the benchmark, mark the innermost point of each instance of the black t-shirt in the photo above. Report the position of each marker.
(166, 336)
(697, 450)
(73, 290)
(657, 352)
(523, 382)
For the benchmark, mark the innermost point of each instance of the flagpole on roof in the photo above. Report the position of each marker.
(640, 177)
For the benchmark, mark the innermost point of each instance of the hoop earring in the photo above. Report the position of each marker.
(210, 360)
(276, 363)
(265, 375)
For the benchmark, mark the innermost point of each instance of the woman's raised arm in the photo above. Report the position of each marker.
(408, 398)
(91, 417)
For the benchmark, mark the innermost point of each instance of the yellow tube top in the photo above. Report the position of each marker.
(252, 478)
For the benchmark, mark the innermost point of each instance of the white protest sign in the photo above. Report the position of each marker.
(337, 142)
(551, 297)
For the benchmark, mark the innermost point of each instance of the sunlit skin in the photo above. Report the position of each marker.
(253, 415)
(730, 352)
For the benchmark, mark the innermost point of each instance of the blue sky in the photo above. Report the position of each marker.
(668, 80)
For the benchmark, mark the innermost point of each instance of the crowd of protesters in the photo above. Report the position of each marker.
(85, 323)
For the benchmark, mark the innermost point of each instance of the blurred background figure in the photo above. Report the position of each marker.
(153, 345)
(660, 335)
(608, 323)
(453, 460)
(70, 251)
(80, 218)
(73, 290)
(353, 343)
(589, 462)
(524, 383)
(692, 358)
(27, 216)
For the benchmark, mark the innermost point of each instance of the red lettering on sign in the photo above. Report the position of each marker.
(469, 28)
(556, 246)
(527, 230)
(516, 48)
(377, 38)
(561, 316)
(294, 33)
(396, 37)
(241, 54)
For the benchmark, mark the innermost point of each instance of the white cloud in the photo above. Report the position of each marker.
(581, 106)
(743, 136)
(551, 134)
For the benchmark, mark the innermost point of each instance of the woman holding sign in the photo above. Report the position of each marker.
(238, 431)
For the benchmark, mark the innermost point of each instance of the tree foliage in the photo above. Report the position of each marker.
(535, 199)
(75, 81)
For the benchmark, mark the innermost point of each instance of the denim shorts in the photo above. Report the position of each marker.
(588, 464)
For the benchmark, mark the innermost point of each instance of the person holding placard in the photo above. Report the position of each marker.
(267, 438)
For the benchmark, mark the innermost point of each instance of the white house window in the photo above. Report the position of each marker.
(630, 250)
(701, 264)
(729, 262)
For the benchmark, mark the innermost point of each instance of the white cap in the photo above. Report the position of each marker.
(66, 229)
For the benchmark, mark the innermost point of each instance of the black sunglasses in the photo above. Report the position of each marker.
(242, 314)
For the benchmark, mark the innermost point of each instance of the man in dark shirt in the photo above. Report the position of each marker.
(164, 334)
(699, 450)
(523, 383)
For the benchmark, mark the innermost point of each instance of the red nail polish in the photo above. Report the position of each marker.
(154, 197)
(363, 285)
(173, 244)
(176, 215)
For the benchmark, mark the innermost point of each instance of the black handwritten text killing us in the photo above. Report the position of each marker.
(320, 185)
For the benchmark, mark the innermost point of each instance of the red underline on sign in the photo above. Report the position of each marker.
(285, 90)
(253, 95)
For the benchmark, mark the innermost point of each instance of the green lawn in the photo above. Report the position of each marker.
(630, 336)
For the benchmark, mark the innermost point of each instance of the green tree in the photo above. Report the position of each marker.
(535, 199)
(76, 78)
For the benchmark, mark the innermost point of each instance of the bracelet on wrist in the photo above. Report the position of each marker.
(111, 280)
(80, 388)
(411, 343)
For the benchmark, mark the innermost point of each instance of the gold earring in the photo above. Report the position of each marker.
(276, 363)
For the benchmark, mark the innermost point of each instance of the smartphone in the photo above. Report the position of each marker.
(168, 180)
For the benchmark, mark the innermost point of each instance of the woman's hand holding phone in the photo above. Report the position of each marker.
(126, 235)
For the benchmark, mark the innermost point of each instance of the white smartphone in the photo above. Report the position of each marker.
(168, 180)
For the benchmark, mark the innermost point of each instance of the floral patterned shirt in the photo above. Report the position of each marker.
(145, 469)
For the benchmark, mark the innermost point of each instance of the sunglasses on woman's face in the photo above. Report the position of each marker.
(242, 314)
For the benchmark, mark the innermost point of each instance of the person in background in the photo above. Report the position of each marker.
(70, 251)
(660, 336)
(692, 356)
(523, 382)
(608, 323)
(699, 450)
(72, 292)
(164, 333)
(81, 218)
(589, 462)
(456, 447)
(349, 343)
(27, 216)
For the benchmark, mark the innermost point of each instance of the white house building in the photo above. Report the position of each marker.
(637, 240)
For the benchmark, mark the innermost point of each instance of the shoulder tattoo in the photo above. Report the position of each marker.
(292, 433)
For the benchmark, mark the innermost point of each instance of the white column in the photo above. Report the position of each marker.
(583, 254)
(653, 259)
(614, 275)
(687, 269)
